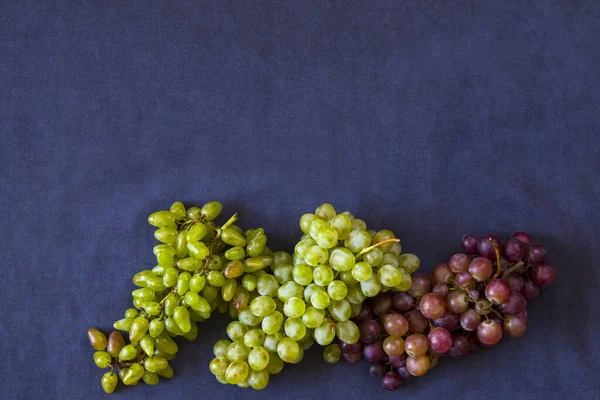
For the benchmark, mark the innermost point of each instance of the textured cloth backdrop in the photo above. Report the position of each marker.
(430, 118)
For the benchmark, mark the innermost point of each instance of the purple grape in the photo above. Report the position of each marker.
(351, 358)
(464, 279)
(522, 236)
(366, 312)
(391, 380)
(515, 250)
(485, 247)
(441, 289)
(515, 281)
(489, 332)
(543, 275)
(448, 321)
(470, 320)
(441, 273)
(417, 322)
(460, 346)
(403, 371)
(498, 291)
(457, 302)
(373, 352)
(474, 294)
(402, 302)
(530, 290)
(397, 361)
(440, 340)
(481, 269)
(369, 330)
(377, 369)
(382, 303)
(351, 348)
(459, 262)
(516, 304)
(420, 285)
(537, 253)
(469, 244)
(515, 326)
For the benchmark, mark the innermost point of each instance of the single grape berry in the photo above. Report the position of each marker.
(515, 250)
(536, 253)
(543, 275)
(391, 380)
(469, 244)
(432, 305)
(522, 236)
(498, 291)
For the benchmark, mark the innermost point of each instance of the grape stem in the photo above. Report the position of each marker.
(367, 249)
(213, 242)
(512, 269)
(499, 266)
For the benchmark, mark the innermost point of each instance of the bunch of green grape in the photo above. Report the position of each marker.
(309, 297)
(199, 269)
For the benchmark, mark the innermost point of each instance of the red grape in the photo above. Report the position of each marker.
(416, 345)
(464, 279)
(369, 330)
(515, 281)
(391, 380)
(460, 346)
(382, 303)
(498, 291)
(469, 244)
(395, 324)
(470, 320)
(530, 290)
(377, 369)
(403, 371)
(485, 247)
(351, 358)
(366, 312)
(402, 301)
(543, 275)
(373, 352)
(432, 305)
(393, 345)
(417, 322)
(514, 326)
(397, 361)
(440, 340)
(441, 289)
(459, 262)
(448, 320)
(515, 250)
(489, 332)
(420, 285)
(481, 269)
(418, 366)
(537, 253)
(457, 302)
(441, 273)
(350, 348)
(522, 236)
(516, 304)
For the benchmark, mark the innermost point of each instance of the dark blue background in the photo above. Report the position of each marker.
(430, 118)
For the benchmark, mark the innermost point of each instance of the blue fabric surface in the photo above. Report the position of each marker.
(430, 118)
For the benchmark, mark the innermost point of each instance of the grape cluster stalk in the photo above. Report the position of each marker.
(471, 301)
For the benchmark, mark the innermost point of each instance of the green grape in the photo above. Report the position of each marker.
(357, 240)
(181, 245)
(249, 282)
(327, 237)
(155, 283)
(347, 331)
(235, 253)
(371, 287)
(134, 373)
(355, 295)
(359, 224)
(182, 318)
(342, 224)
(320, 300)
(252, 233)
(355, 309)
(161, 219)
(109, 382)
(288, 290)
(197, 232)
(262, 306)
(220, 348)
(390, 259)
(155, 364)
(166, 235)
(308, 340)
(170, 276)
(271, 341)
(139, 327)
(241, 297)
(272, 323)
(190, 264)
(396, 249)
(193, 332)
(283, 273)
(166, 344)
(248, 318)
(314, 226)
(349, 214)
(281, 258)
(275, 363)
(215, 278)
(97, 339)
(234, 269)
(310, 289)
(221, 379)
(198, 250)
(288, 349)
(159, 270)
(183, 283)
(139, 279)
(323, 275)
(294, 328)
(166, 373)
(409, 262)
(266, 259)
(150, 378)
(258, 359)
(340, 310)
(389, 276)
(178, 209)
(302, 247)
(313, 317)
(258, 380)
(406, 282)
(172, 327)
(122, 372)
(362, 271)
(236, 372)
(237, 351)
(228, 289)
(256, 246)
(132, 312)
(325, 333)
(341, 259)
(347, 278)
(302, 274)
(209, 293)
(156, 327)
(305, 221)
(115, 343)
(337, 290)
(233, 237)
(147, 344)
(373, 257)
(151, 308)
(197, 283)
(253, 264)
(325, 211)
(244, 384)
(332, 353)
(128, 352)
(316, 255)
(143, 294)
(170, 304)
(211, 210)
(294, 307)
(382, 235)
(297, 260)
(218, 365)
(254, 337)
(102, 359)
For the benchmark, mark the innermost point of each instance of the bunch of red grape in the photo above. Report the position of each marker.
(467, 303)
